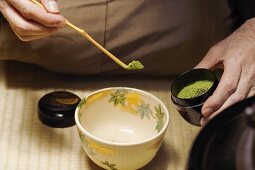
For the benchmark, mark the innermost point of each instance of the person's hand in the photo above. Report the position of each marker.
(29, 21)
(237, 54)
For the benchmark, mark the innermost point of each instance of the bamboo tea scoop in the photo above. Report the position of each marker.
(134, 65)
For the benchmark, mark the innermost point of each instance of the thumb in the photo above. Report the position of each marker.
(51, 6)
(211, 60)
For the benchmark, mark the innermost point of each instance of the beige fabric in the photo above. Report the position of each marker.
(169, 37)
(25, 143)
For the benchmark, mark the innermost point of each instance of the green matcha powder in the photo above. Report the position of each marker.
(135, 65)
(195, 89)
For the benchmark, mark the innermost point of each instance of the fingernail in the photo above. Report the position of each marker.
(61, 24)
(207, 111)
(53, 6)
(203, 121)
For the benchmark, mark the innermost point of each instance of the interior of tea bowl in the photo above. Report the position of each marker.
(120, 127)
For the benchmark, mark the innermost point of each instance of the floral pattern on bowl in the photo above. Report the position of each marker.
(121, 128)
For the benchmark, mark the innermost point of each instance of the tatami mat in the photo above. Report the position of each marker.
(25, 143)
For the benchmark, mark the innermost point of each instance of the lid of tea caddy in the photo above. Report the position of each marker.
(56, 109)
(222, 143)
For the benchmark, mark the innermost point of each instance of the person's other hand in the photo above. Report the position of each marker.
(31, 22)
(237, 54)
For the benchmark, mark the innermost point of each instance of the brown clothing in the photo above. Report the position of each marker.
(167, 36)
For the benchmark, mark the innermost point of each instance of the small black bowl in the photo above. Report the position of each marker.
(190, 109)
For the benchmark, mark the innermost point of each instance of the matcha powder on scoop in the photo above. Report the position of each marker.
(135, 65)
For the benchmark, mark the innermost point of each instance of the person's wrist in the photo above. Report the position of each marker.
(251, 26)
(251, 22)
(247, 31)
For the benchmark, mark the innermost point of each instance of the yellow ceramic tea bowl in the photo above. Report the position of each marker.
(121, 128)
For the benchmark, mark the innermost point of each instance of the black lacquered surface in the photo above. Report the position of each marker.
(56, 109)
(217, 144)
